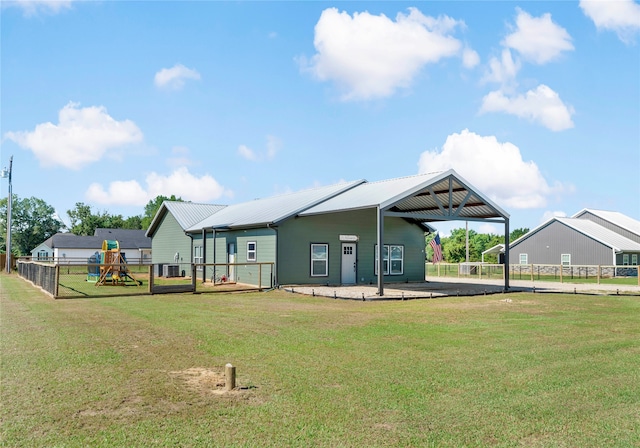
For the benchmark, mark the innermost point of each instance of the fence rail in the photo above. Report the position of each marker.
(74, 280)
(539, 272)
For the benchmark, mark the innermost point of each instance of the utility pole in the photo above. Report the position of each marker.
(6, 173)
(467, 241)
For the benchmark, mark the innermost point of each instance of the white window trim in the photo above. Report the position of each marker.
(562, 259)
(386, 261)
(252, 254)
(326, 260)
(524, 257)
(625, 259)
(634, 259)
(197, 257)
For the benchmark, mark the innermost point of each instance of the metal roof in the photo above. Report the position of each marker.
(616, 218)
(135, 240)
(437, 196)
(270, 210)
(599, 233)
(186, 213)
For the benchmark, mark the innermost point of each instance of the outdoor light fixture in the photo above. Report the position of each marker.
(6, 173)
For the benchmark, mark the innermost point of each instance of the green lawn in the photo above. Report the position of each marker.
(507, 370)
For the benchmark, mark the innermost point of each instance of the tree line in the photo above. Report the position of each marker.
(33, 221)
(454, 246)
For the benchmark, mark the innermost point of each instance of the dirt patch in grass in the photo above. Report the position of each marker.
(207, 381)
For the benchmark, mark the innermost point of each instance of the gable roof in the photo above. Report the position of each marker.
(590, 229)
(271, 210)
(438, 196)
(186, 213)
(127, 238)
(616, 218)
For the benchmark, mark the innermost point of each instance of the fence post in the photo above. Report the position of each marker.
(57, 277)
(531, 271)
(150, 279)
(260, 277)
(598, 274)
(638, 274)
(561, 269)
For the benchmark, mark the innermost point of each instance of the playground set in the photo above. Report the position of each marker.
(109, 267)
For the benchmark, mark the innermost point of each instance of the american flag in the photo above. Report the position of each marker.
(437, 249)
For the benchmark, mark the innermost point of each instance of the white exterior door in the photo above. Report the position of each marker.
(348, 263)
(232, 259)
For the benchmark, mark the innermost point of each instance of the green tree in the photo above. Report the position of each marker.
(517, 233)
(32, 222)
(152, 208)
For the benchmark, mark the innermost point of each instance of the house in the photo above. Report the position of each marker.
(70, 248)
(591, 237)
(325, 235)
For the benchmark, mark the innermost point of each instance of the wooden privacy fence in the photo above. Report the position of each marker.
(539, 272)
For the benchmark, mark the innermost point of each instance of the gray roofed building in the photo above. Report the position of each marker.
(344, 233)
(616, 221)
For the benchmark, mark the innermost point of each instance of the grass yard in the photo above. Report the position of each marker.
(504, 370)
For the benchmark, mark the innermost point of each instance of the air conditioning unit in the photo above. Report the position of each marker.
(170, 270)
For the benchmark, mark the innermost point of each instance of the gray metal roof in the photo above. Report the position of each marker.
(270, 210)
(599, 233)
(616, 218)
(591, 229)
(186, 213)
(425, 197)
(129, 238)
(135, 240)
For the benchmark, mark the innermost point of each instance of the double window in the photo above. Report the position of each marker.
(392, 259)
(319, 260)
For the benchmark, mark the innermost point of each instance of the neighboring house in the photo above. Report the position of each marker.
(616, 221)
(577, 241)
(325, 235)
(70, 248)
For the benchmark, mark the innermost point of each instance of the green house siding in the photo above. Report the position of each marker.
(168, 239)
(265, 241)
(295, 237)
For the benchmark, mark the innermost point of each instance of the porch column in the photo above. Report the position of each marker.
(506, 254)
(379, 251)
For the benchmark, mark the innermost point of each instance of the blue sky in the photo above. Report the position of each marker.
(112, 103)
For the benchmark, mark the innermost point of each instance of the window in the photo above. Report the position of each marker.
(43, 255)
(625, 259)
(397, 257)
(251, 251)
(197, 257)
(565, 259)
(319, 260)
(524, 259)
(396, 254)
(634, 259)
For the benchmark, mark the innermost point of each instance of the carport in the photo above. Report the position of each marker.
(426, 198)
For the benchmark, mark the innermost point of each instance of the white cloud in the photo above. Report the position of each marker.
(371, 56)
(174, 77)
(620, 16)
(495, 168)
(490, 229)
(34, 7)
(180, 183)
(247, 153)
(538, 39)
(470, 58)
(273, 146)
(81, 137)
(541, 105)
(180, 157)
(504, 70)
